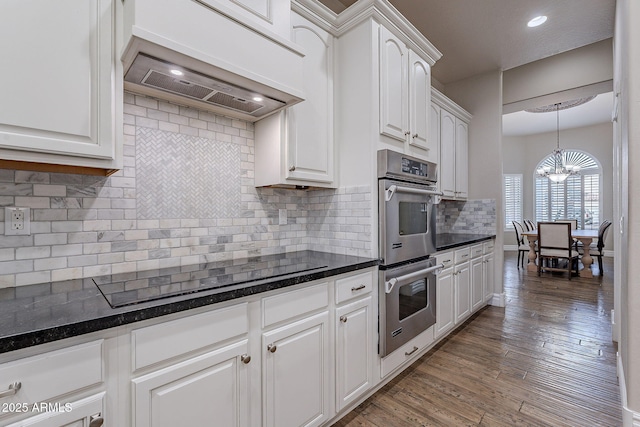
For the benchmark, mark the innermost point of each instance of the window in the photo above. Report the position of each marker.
(512, 190)
(578, 197)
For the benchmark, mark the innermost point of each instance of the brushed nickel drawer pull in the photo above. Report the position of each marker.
(272, 348)
(292, 168)
(96, 420)
(13, 389)
(359, 288)
(245, 358)
(343, 319)
(409, 353)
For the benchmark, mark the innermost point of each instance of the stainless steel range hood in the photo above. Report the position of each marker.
(207, 60)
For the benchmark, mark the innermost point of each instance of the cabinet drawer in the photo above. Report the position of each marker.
(476, 250)
(461, 255)
(488, 246)
(156, 343)
(295, 303)
(407, 352)
(353, 286)
(445, 258)
(46, 376)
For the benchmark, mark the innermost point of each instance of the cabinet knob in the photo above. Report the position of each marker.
(292, 168)
(11, 390)
(415, 135)
(343, 319)
(245, 358)
(272, 348)
(407, 133)
(96, 420)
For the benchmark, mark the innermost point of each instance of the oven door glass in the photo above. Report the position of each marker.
(413, 218)
(412, 298)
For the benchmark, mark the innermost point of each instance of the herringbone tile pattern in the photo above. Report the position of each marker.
(183, 176)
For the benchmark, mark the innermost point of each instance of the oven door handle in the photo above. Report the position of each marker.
(389, 285)
(388, 194)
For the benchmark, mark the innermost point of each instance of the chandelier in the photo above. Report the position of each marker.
(560, 171)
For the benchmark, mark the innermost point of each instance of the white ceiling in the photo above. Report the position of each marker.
(478, 36)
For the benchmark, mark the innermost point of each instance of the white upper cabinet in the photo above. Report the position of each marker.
(405, 95)
(394, 121)
(295, 147)
(453, 178)
(60, 84)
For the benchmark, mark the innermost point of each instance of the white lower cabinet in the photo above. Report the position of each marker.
(210, 389)
(477, 278)
(488, 266)
(462, 281)
(87, 412)
(295, 361)
(354, 338)
(445, 298)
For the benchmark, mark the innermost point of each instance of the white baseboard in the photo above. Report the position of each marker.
(498, 300)
(629, 417)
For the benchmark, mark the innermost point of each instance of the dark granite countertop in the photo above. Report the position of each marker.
(446, 241)
(36, 314)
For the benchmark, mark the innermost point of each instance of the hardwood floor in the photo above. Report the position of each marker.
(546, 359)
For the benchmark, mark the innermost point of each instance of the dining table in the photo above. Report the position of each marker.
(584, 236)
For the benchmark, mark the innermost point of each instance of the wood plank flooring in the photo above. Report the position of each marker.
(546, 359)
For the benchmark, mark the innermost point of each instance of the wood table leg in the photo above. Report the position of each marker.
(532, 266)
(586, 258)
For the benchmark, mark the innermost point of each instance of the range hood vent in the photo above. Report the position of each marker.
(160, 75)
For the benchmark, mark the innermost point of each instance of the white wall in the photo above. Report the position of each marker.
(577, 68)
(522, 155)
(482, 97)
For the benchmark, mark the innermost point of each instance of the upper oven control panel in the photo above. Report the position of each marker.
(392, 164)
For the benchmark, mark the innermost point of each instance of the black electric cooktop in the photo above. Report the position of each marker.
(136, 287)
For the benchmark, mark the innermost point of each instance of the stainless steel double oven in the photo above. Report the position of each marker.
(407, 199)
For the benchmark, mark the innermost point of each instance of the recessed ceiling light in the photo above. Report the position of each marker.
(538, 20)
(177, 72)
(257, 98)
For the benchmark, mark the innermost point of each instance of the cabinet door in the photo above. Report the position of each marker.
(56, 80)
(462, 280)
(447, 153)
(73, 414)
(487, 282)
(445, 309)
(434, 136)
(462, 163)
(310, 123)
(209, 389)
(354, 351)
(477, 275)
(393, 86)
(420, 104)
(296, 373)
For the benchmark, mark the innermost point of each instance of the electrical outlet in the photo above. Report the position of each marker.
(17, 221)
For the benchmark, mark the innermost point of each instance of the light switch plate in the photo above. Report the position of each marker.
(17, 221)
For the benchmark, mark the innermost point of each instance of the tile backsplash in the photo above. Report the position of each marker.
(470, 216)
(184, 196)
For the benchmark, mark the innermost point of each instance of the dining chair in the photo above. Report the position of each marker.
(555, 242)
(529, 224)
(597, 248)
(523, 247)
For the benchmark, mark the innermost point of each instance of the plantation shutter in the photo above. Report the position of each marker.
(512, 199)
